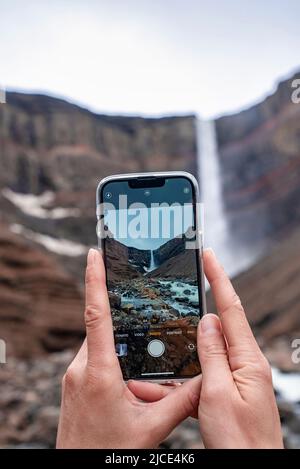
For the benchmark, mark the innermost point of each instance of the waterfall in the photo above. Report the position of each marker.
(235, 255)
(216, 230)
(152, 265)
(152, 262)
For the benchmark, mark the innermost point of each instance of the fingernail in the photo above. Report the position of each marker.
(91, 258)
(210, 324)
(210, 251)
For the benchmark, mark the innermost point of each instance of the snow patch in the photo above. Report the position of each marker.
(34, 205)
(59, 246)
(288, 384)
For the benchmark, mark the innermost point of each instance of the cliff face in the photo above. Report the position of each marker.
(41, 307)
(48, 143)
(270, 294)
(182, 266)
(118, 267)
(174, 246)
(259, 152)
(139, 258)
(169, 249)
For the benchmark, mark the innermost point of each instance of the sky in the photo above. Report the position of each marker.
(149, 228)
(150, 57)
(148, 221)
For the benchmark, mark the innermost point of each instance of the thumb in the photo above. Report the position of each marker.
(176, 406)
(212, 353)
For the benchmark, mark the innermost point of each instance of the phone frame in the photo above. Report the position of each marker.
(199, 236)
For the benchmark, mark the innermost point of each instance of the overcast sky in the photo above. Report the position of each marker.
(150, 57)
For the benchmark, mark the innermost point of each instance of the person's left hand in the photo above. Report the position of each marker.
(98, 409)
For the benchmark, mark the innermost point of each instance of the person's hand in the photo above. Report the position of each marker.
(237, 407)
(98, 409)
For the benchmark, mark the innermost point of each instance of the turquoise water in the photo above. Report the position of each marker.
(177, 290)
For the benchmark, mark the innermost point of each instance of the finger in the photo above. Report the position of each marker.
(81, 357)
(149, 392)
(99, 329)
(79, 362)
(178, 404)
(152, 392)
(212, 352)
(234, 322)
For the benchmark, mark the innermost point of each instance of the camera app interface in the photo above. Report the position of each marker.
(152, 276)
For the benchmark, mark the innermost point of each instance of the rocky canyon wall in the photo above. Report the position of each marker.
(52, 156)
(259, 150)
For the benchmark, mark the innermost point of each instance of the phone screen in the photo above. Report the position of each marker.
(152, 273)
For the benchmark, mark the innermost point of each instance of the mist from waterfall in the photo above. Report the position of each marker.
(235, 255)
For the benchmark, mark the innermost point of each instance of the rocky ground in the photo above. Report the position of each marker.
(142, 302)
(30, 399)
(145, 306)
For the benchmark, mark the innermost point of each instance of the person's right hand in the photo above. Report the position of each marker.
(237, 407)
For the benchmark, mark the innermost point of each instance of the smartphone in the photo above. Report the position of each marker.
(149, 231)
